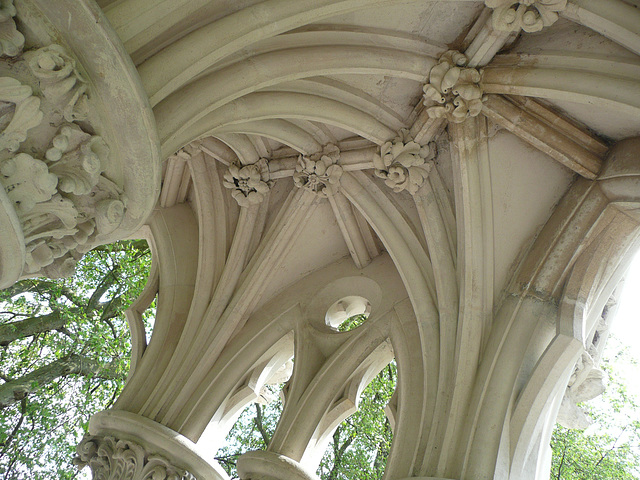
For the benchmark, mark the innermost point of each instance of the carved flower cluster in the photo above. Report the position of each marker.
(403, 163)
(110, 458)
(62, 199)
(528, 15)
(249, 183)
(455, 89)
(319, 172)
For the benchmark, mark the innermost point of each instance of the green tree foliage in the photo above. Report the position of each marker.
(610, 448)
(64, 355)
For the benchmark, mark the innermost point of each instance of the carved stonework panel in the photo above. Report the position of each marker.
(528, 15)
(403, 163)
(249, 184)
(454, 89)
(320, 172)
(110, 458)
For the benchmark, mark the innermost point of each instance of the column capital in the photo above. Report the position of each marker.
(271, 466)
(71, 177)
(136, 446)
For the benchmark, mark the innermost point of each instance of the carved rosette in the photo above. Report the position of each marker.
(528, 15)
(54, 177)
(320, 172)
(249, 184)
(403, 163)
(110, 458)
(454, 89)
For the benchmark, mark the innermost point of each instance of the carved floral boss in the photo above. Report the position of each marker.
(454, 88)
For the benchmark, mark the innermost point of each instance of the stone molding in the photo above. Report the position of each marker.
(403, 163)
(108, 457)
(320, 172)
(249, 184)
(454, 88)
(527, 15)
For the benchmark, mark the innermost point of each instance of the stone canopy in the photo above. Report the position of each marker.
(466, 173)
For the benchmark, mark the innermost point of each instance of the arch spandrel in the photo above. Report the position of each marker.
(315, 147)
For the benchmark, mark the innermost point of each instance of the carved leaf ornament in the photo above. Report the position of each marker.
(403, 163)
(11, 40)
(113, 459)
(19, 111)
(320, 172)
(528, 15)
(455, 89)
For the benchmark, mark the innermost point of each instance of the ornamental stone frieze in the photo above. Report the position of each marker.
(249, 184)
(320, 172)
(454, 89)
(403, 163)
(528, 15)
(110, 458)
(71, 177)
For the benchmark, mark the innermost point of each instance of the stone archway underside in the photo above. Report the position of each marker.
(467, 167)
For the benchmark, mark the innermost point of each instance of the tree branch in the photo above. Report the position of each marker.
(23, 411)
(259, 425)
(15, 390)
(10, 332)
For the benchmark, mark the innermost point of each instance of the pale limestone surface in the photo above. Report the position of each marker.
(448, 166)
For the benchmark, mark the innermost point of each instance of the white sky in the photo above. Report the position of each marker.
(626, 325)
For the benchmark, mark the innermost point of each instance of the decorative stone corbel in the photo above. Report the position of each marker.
(108, 457)
(403, 163)
(528, 15)
(249, 184)
(455, 89)
(320, 172)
